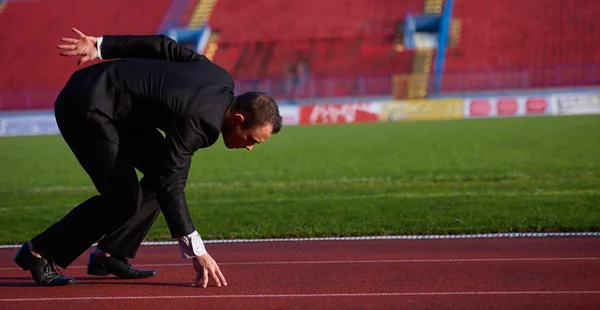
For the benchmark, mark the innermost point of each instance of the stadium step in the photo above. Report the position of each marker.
(201, 13)
(212, 46)
(417, 82)
(433, 6)
(455, 29)
(398, 37)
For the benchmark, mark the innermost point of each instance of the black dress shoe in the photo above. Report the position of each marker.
(120, 267)
(41, 269)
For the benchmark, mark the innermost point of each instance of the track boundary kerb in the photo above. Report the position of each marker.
(362, 238)
(338, 295)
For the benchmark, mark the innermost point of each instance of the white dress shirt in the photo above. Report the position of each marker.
(191, 245)
(98, 46)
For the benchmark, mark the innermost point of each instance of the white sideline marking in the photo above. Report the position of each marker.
(394, 261)
(385, 261)
(301, 295)
(387, 237)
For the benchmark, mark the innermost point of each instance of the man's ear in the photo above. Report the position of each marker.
(238, 119)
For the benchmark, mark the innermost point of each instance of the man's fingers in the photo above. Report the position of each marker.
(67, 47)
(198, 278)
(217, 280)
(222, 277)
(83, 59)
(69, 40)
(71, 53)
(205, 278)
(81, 35)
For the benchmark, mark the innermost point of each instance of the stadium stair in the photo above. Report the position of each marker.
(455, 29)
(433, 6)
(201, 13)
(421, 68)
(212, 46)
(399, 37)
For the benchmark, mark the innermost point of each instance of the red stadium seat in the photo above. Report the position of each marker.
(30, 31)
(336, 37)
(533, 38)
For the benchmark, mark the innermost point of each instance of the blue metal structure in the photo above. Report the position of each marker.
(443, 37)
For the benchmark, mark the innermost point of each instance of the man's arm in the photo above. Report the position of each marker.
(126, 46)
(184, 137)
(146, 46)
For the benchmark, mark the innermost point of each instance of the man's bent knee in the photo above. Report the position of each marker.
(124, 206)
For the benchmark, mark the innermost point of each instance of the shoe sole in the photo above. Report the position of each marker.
(100, 273)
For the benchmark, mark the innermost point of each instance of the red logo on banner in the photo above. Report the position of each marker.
(480, 107)
(536, 105)
(337, 113)
(507, 106)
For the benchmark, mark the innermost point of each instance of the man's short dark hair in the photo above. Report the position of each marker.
(258, 109)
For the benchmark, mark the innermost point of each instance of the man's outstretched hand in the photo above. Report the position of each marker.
(84, 46)
(206, 267)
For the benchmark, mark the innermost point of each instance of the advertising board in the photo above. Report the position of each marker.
(576, 103)
(339, 113)
(506, 106)
(28, 125)
(410, 110)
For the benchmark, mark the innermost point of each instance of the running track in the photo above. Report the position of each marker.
(515, 273)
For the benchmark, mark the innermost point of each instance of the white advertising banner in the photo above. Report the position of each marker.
(45, 123)
(339, 113)
(290, 115)
(28, 125)
(575, 103)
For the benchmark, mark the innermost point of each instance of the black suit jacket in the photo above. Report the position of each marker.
(158, 83)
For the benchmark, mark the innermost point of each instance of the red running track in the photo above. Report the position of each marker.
(520, 273)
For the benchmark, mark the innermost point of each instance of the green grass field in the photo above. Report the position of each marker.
(431, 177)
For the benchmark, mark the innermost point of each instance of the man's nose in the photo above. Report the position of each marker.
(249, 147)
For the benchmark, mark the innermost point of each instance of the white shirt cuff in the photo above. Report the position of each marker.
(99, 45)
(191, 245)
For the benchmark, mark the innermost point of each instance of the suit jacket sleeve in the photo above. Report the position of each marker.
(147, 47)
(183, 137)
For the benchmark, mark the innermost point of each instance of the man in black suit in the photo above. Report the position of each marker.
(110, 114)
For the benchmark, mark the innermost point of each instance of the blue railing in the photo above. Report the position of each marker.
(452, 82)
(302, 89)
(28, 100)
(519, 78)
(320, 87)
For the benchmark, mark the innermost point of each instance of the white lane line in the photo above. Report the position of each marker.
(385, 261)
(372, 238)
(303, 295)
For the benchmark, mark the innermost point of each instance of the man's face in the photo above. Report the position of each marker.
(237, 137)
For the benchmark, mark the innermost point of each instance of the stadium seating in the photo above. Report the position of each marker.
(30, 31)
(260, 39)
(269, 20)
(502, 44)
(534, 43)
(326, 57)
